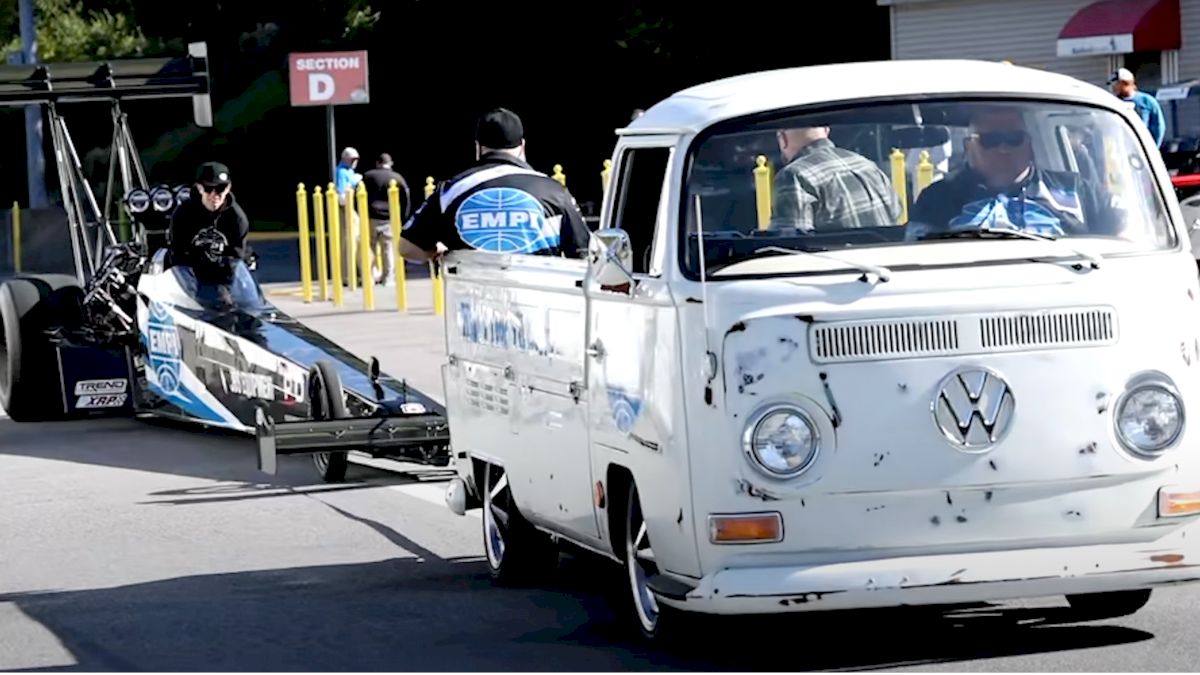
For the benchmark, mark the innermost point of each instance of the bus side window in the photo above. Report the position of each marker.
(643, 173)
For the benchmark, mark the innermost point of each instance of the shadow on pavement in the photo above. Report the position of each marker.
(170, 448)
(425, 613)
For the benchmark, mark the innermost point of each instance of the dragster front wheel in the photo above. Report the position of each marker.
(328, 403)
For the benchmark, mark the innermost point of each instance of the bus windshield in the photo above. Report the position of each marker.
(905, 174)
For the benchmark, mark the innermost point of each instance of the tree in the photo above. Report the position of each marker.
(68, 32)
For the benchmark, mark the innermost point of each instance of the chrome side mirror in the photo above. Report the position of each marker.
(610, 259)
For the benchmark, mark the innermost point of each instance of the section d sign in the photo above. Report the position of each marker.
(328, 78)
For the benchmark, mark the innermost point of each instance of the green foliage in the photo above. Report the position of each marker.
(645, 31)
(67, 32)
(359, 19)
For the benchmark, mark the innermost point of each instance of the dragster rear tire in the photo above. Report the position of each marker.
(328, 401)
(30, 379)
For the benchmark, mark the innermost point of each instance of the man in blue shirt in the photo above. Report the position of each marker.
(348, 178)
(1146, 106)
(346, 175)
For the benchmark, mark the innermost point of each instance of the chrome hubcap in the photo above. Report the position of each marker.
(639, 557)
(495, 522)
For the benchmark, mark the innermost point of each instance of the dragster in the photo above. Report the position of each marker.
(132, 334)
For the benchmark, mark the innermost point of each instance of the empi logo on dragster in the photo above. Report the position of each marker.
(164, 349)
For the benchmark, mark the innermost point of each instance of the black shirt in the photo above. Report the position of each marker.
(377, 182)
(502, 205)
(1057, 203)
(199, 236)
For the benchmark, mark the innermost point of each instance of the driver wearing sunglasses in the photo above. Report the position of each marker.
(1001, 187)
(209, 230)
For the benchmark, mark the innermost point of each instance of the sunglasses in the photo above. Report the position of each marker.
(214, 189)
(995, 139)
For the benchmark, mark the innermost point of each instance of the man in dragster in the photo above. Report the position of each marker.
(207, 244)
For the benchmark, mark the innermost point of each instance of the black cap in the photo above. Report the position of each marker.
(212, 173)
(499, 128)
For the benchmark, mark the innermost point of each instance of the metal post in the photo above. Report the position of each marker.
(74, 219)
(35, 158)
(333, 153)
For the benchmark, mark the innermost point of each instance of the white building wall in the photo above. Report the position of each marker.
(1189, 53)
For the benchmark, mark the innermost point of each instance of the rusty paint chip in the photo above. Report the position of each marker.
(1168, 558)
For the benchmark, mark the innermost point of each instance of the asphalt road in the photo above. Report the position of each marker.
(131, 546)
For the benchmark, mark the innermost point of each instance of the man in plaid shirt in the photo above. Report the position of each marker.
(824, 187)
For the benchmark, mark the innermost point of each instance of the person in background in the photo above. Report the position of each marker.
(377, 181)
(346, 177)
(824, 187)
(1146, 106)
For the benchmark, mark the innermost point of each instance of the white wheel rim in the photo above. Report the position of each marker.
(638, 557)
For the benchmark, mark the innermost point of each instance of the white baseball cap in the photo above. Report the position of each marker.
(1122, 75)
(350, 152)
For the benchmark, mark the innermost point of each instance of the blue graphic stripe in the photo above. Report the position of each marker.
(182, 395)
(307, 354)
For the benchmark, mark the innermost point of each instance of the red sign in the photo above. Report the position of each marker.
(328, 78)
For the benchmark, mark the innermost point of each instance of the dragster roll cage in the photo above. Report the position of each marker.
(49, 84)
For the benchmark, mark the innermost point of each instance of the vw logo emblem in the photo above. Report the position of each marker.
(974, 408)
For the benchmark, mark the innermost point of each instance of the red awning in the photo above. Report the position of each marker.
(1121, 27)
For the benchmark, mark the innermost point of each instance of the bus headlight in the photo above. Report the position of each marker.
(781, 441)
(1149, 417)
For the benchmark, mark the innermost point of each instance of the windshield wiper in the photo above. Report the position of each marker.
(883, 273)
(1002, 232)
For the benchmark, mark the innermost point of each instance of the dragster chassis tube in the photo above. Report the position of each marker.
(375, 433)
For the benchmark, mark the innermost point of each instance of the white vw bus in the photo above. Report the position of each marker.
(783, 391)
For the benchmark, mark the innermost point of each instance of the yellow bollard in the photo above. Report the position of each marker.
(400, 272)
(559, 175)
(302, 239)
(1112, 176)
(16, 237)
(349, 244)
(924, 174)
(439, 290)
(335, 243)
(319, 226)
(429, 186)
(762, 190)
(900, 183)
(364, 248)
(605, 175)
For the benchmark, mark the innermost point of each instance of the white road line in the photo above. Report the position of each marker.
(434, 493)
